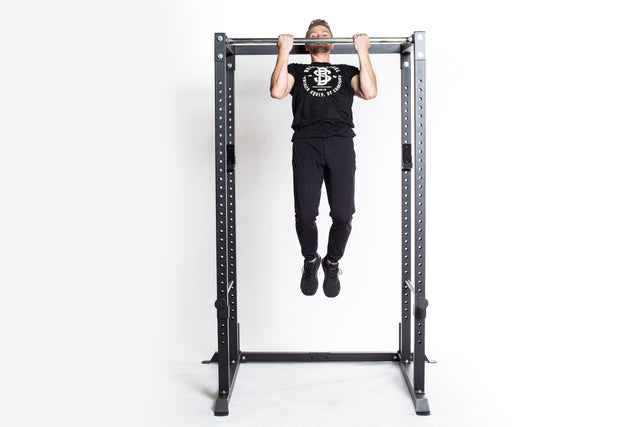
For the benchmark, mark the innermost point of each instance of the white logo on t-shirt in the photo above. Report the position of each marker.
(322, 80)
(323, 76)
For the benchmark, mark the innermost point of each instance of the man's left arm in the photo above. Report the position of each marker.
(364, 84)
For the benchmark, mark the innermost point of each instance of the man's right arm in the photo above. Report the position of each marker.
(281, 80)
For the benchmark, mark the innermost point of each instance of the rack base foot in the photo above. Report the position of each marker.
(221, 408)
(422, 406)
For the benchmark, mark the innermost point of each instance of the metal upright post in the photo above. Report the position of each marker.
(223, 156)
(407, 165)
(420, 302)
(234, 344)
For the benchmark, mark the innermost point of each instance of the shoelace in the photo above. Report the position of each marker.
(307, 270)
(333, 271)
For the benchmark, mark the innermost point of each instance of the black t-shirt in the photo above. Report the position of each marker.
(322, 99)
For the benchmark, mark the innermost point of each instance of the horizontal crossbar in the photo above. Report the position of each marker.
(317, 357)
(342, 45)
(272, 49)
(339, 40)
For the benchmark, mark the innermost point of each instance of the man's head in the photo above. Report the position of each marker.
(315, 23)
(319, 28)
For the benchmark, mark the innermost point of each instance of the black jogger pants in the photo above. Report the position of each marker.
(332, 161)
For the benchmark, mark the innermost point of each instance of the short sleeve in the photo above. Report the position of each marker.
(296, 71)
(353, 71)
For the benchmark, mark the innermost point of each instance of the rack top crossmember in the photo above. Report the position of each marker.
(343, 45)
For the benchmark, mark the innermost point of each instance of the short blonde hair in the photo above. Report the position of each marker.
(316, 22)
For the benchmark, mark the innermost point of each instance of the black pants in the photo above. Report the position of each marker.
(333, 161)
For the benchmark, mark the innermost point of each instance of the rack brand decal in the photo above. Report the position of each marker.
(322, 81)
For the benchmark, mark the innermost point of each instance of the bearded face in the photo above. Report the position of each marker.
(316, 48)
(319, 31)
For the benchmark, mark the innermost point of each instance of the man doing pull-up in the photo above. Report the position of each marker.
(323, 151)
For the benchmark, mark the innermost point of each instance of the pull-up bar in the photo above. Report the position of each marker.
(343, 45)
(340, 40)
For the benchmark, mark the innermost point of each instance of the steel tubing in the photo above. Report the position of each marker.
(340, 40)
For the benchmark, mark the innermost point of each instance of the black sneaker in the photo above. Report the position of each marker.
(331, 284)
(309, 281)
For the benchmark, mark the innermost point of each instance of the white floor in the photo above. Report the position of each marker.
(300, 394)
(374, 394)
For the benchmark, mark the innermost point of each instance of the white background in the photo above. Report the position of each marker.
(107, 237)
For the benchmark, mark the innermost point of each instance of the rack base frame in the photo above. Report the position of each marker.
(421, 403)
(411, 357)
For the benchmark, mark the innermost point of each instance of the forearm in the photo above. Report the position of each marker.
(366, 86)
(368, 82)
(280, 76)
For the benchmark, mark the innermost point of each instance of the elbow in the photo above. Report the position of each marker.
(275, 94)
(370, 94)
